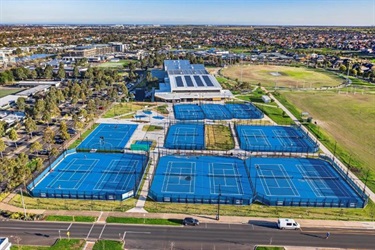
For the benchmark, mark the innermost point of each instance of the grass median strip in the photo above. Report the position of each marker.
(71, 244)
(108, 244)
(150, 221)
(70, 218)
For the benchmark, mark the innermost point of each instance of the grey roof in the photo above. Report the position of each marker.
(32, 91)
(7, 99)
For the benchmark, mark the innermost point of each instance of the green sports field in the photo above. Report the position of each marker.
(119, 64)
(282, 76)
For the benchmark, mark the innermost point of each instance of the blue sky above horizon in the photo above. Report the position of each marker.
(231, 12)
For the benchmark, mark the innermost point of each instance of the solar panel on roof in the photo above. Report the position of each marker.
(199, 82)
(208, 81)
(179, 81)
(188, 81)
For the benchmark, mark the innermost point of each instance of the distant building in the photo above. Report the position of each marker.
(188, 82)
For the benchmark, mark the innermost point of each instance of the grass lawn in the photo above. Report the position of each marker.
(124, 108)
(151, 221)
(162, 109)
(150, 128)
(108, 244)
(290, 77)
(119, 64)
(63, 244)
(83, 136)
(269, 248)
(9, 91)
(256, 210)
(71, 204)
(275, 113)
(70, 218)
(347, 119)
(3, 195)
(218, 137)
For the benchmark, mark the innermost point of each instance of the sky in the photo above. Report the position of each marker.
(230, 12)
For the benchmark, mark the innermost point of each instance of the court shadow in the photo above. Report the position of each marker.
(262, 223)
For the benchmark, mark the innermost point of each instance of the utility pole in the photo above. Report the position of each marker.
(23, 203)
(218, 204)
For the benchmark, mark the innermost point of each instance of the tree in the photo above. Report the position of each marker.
(342, 68)
(21, 103)
(75, 72)
(64, 130)
(54, 152)
(61, 71)
(13, 136)
(30, 125)
(3, 125)
(39, 108)
(2, 147)
(48, 136)
(33, 74)
(36, 147)
(48, 72)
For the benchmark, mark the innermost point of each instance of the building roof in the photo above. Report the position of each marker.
(32, 91)
(7, 99)
(193, 82)
(223, 94)
(36, 83)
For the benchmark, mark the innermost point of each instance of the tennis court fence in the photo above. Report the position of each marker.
(200, 199)
(299, 202)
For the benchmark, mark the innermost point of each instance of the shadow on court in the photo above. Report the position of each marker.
(262, 223)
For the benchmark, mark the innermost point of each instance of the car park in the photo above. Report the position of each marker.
(190, 221)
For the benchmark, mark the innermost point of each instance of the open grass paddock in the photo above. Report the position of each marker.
(287, 77)
(218, 137)
(349, 119)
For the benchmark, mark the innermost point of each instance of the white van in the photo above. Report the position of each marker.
(287, 224)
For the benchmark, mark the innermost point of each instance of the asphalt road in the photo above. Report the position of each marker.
(204, 236)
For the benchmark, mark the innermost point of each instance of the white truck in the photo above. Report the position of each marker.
(288, 224)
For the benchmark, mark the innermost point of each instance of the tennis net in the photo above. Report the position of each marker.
(118, 171)
(225, 175)
(325, 178)
(73, 171)
(275, 176)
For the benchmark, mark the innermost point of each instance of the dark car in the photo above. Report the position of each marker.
(43, 152)
(72, 131)
(190, 221)
(59, 139)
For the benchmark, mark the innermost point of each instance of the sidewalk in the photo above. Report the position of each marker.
(101, 217)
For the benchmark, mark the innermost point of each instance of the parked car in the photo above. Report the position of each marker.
(43, 152)
(72, 131)
(190, 221)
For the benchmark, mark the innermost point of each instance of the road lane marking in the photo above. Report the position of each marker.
(100, 236)
(135, 232)
(69, 226)
(90, 231)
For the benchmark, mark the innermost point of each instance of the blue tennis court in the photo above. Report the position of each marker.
(274, 138)
(216, 112)
(300, 182)
(108, 137)
(91, 176)
(185, 136)
(244, 111)
(202, 179)
(188, 112)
